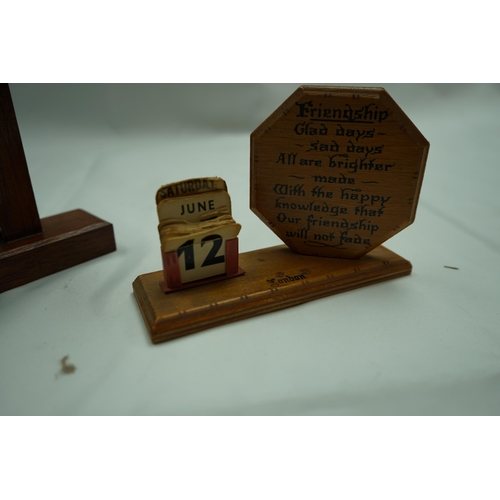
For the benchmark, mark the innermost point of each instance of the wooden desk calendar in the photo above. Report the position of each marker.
(30, 247)
(335, 172)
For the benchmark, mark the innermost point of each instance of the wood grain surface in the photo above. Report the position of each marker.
(275, 278)
(336, 171)
(67, 239)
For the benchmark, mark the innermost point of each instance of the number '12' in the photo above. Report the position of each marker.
(187, 248)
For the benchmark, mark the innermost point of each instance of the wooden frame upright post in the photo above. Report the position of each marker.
(18, 211)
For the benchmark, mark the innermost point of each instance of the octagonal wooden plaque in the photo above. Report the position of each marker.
(336, 171)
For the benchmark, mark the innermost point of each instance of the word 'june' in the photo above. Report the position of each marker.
(366, 114)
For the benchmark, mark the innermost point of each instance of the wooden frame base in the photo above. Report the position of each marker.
(203, 282)
(66, 240)
(275, 278)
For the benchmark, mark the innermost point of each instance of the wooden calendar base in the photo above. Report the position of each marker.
(275, 278)
(66, 240)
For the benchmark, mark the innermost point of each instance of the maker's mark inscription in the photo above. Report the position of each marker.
(337, 171)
